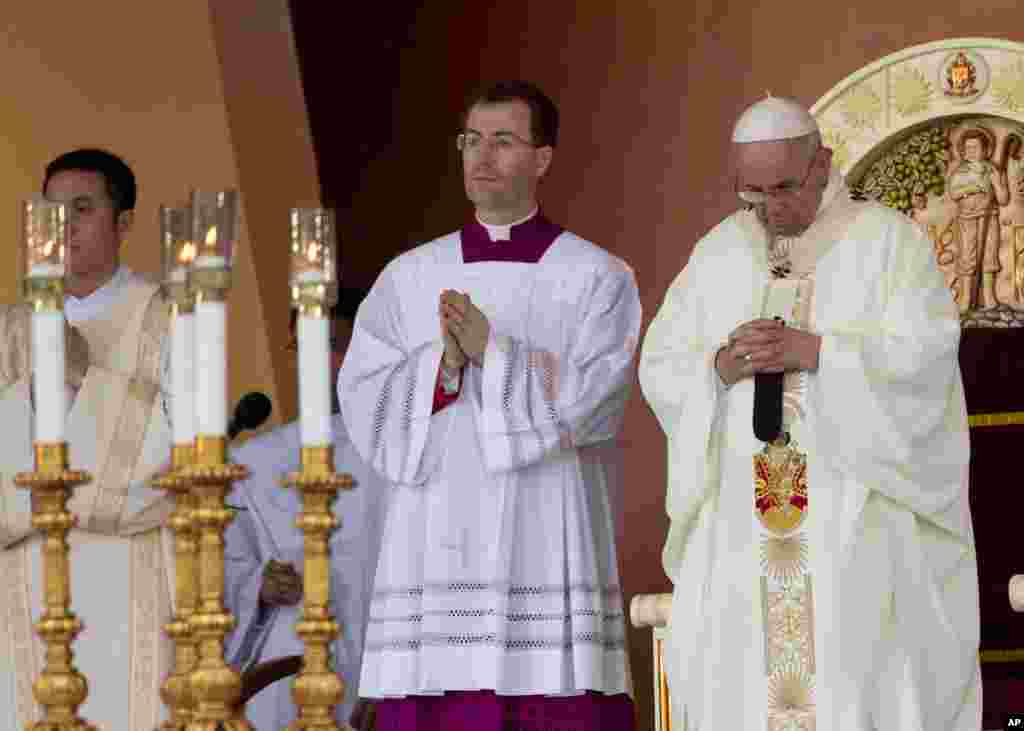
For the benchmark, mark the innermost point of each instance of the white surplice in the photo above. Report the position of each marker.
(118, 431)
(883, 423)
(498, 567)
(265, 529)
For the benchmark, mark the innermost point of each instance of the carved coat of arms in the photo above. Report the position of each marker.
(963, 76)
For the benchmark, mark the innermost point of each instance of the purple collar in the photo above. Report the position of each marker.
(529, 240)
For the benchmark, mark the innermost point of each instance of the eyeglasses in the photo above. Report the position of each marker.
(784, 191)
(470, 141)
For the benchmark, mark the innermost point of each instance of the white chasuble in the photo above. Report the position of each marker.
(120, 583)
(498, 566)
(858, 609)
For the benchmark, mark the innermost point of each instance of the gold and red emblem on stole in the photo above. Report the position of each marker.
(780, 487)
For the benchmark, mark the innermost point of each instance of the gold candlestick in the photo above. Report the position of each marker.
(318, 688)
(216, 686)
(177, 251)
(60, 689)
(176, 692)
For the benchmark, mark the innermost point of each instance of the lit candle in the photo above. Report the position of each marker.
(207, 261)
(44, 232)
(314, 274)
(315, 381)
(211, 369)
(187, 254)
(45, 267)
(310, 278)
(49, 391)
(210, 261)
(214, 224)
(311, 247)
(46, 270)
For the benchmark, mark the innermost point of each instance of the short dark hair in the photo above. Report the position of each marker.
(543, 112)
(119, 177)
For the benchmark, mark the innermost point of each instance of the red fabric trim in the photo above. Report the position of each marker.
(442, 399)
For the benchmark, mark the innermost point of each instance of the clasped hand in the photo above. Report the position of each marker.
(766, 346)
(281, 586)
(464, 329)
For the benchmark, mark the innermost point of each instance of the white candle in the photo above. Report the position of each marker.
(315, 381)
(48, 388)
(43, 269)
(183, 407)
(208, 261)
(310, 277)
(211, 369)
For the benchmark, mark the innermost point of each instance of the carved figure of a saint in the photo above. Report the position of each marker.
(978, 188)
(1012, 216)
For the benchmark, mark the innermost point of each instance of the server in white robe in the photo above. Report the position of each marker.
(486, 382)
(264, 550)
(117, 430)
(825, 578)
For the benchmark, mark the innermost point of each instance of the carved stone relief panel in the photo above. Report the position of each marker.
(937, 132)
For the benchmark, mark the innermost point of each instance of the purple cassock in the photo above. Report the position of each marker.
(526, 245)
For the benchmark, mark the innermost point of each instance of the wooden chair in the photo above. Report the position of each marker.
(260, 676)
(654, 610)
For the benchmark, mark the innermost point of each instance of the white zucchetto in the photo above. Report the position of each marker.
(773, 118)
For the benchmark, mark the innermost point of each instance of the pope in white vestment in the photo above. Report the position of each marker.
(118, 431)
(854, 606)
(264, 529)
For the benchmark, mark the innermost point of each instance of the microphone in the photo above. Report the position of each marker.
(252, 410)
(768, 406)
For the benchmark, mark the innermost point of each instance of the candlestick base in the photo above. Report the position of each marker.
(176, 691)
(61, 688)
(216, 686)
(318, 688)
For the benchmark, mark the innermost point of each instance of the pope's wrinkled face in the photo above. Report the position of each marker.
(784, 181)
(96, 229)
(501, 163)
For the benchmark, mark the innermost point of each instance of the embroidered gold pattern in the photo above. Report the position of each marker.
(791, 701)
(780, 505)
(126, 444)
(784, 559)
(24, 647)
(150, 651)
(787, 600)
(789, 626)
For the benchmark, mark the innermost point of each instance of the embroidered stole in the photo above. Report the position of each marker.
(782, 495)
